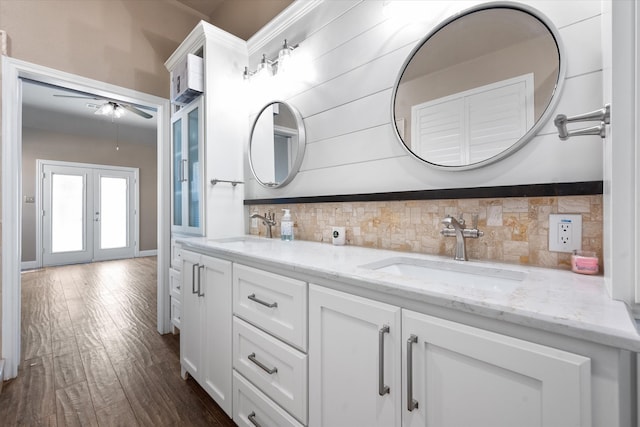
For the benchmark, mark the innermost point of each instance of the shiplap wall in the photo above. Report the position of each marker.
(354, 52)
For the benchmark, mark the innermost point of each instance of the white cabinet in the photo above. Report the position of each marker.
(458, 375)
(453, 374)
(205, 335)
(354, 361)
(187, 169)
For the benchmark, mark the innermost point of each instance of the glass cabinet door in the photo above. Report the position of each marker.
(188, 169)
(178, 173)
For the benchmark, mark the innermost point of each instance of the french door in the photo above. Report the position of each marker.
(88, 213)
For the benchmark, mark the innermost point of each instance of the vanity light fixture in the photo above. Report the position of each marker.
(272, 66)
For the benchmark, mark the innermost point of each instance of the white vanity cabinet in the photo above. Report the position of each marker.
(453, 374)
(205, 335)
(458, 375)
(354, 361)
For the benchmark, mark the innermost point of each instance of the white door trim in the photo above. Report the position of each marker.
(40, 164)
(12, 71)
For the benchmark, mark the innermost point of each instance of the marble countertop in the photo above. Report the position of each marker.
(557, 301)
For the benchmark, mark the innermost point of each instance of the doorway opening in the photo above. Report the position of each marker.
(14, 72)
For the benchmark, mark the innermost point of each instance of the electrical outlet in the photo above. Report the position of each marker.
(565, 232)
(254, 222)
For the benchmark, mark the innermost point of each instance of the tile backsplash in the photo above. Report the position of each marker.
(515, 229)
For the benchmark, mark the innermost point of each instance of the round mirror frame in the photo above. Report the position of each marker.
(544, 118)
(297, 162)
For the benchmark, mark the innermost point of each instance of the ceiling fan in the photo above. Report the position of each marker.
(111, 108)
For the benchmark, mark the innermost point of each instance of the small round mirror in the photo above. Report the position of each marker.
(478, 87)
(277, 143)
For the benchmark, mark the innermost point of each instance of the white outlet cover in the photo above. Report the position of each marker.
(575, 239)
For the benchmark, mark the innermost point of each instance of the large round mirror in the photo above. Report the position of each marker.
(276, 147)
(478, 87)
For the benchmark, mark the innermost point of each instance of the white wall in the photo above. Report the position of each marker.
(354, 53)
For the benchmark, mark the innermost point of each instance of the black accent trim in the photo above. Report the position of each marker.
(529, 190)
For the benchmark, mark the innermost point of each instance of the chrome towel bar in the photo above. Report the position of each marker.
(214, 181)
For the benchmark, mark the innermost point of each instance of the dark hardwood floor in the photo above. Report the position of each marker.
(92, 355)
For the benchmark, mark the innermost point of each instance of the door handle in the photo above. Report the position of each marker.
(194, 267)
(184, 170)
(382, 389)
(411, 403)
(200, 268)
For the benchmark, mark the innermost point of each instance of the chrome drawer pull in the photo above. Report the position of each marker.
(411, 404)
(382, 389)
(268, 370)
(252, 419)
(252, 297)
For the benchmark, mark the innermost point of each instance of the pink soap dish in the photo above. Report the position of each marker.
(584, 262)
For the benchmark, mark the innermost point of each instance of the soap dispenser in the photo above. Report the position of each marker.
(286, 226)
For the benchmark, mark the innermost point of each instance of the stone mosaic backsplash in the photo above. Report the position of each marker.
(515, 229)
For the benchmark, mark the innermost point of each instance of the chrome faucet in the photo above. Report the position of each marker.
(269, 220)
(456, 228)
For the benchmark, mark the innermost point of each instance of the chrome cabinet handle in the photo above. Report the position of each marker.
(252, 297)
(411, 404)
(252, 419)
(184, 170)
(200, 268)
(382, 389)
(193, 278)
(268, 370)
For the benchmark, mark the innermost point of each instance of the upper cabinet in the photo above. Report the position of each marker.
(209, 131)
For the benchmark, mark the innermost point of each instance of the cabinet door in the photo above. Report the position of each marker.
(460, 376)
(188, 169)
(216, 331)
(353, 356)
(191, 322)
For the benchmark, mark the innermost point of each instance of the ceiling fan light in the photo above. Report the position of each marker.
(118, 111)
(106, 109)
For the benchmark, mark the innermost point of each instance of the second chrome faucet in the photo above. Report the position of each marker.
(456, 228)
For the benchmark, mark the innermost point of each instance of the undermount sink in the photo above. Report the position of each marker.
(462, 273)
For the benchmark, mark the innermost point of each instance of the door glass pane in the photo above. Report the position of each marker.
(67, 213)
(177, 172)
(194, 171)
(113, 212)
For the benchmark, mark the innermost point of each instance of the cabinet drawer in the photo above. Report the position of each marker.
(277, 369)
(176, 312)
(249, 404)
(176, 255)
(175, 283)
(272, 302)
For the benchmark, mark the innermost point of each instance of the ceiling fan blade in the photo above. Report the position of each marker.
(77, 96)
(135, 110)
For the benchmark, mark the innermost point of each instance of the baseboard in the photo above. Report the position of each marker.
(29, 265)
(150, 252)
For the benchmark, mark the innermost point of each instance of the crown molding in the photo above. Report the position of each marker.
(196, 39)
(277, 25)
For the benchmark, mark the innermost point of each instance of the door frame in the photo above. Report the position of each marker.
(40, 198)
(12, 71)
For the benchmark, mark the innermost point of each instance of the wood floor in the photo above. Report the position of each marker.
(92, 355)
